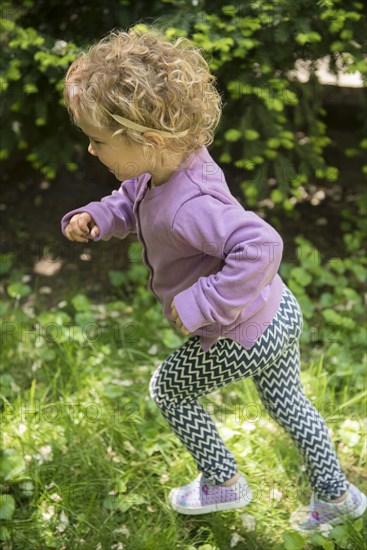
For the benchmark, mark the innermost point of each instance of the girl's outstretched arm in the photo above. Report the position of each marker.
(113, 214)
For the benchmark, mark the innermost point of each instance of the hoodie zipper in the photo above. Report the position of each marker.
(145, 256)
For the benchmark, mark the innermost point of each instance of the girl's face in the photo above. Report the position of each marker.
(125, 161)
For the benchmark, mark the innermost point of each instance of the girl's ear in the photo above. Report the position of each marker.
(154, 137)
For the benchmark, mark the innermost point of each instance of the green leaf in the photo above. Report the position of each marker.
(170, 339)
(6, 380)
(6, 261)
(11, 465)
(57, 318)
(276, 196)
(301, 276)
(339, 532)
(332, 173)
(251, 135)
(273, 143)
(7, 507)
(81, 302)
(122, 502)
(128, 500)
(304, 38)
(270, 154)
(293, 541)
(18, 290)
(232, 135)
(248, 164)
(4, 533)
(351, 152)
(110, 502)
(117, 278)
(288, 205)
(319, 540)
(113, 391)
(30, 88)
(287, 144)
(4, 154)
(225, 158)
(86, 318)
(277, 105)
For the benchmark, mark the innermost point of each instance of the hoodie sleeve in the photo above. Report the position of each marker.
(113, 214)
(251, 251)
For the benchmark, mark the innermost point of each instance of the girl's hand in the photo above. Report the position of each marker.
(177, 319)
(79, 226)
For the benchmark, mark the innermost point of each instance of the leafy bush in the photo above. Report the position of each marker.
(331, 295)
(31, 81)
(272, 126)
(277, 122)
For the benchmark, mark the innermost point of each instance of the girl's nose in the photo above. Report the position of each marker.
(90, 150)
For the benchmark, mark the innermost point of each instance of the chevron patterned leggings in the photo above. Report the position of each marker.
(273, 363)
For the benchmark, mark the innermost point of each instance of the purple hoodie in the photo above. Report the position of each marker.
(218, 261)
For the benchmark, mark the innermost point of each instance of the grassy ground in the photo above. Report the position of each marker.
(88, 459)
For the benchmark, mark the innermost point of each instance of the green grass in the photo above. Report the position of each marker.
(89, 460)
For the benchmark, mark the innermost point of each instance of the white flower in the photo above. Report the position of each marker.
(36, 365)
(123, 530)
(235, 539)
(325, 529)
(64, 522)
(21, 429)
(349, 432)
(276, 495)
(16, 127)
(119, 382)
(129, 447)
(248, 521)
(248, 426)
(164, 478)
(59, 46)
(45, 290)
(45, 454)
(49, 513)
(55, 497)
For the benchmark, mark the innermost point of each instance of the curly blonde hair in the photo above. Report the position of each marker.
(142, 76)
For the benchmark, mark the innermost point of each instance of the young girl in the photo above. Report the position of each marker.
(149, 108)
